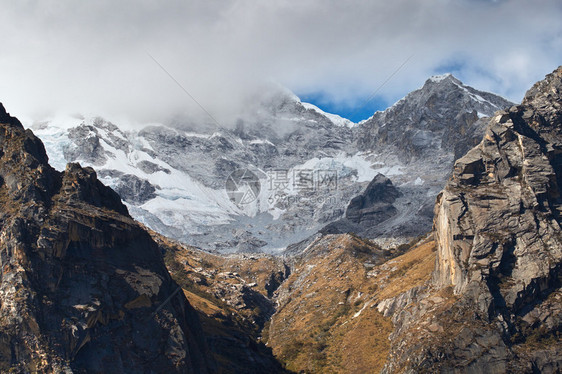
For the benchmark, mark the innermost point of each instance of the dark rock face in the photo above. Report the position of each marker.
(134, 189)
(86, 145)
(81, 185)
(368, 210)
(499, 251)
(83, 287)
(374, 205)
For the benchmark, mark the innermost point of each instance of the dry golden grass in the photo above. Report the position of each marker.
(412, 269)
(201, 304)
(361, 345)
(328, 321)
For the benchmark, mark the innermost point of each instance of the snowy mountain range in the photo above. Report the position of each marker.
(296, 166)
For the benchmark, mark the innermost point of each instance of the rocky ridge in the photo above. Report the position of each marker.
(83, 287)
(441, 116)
(315, 311)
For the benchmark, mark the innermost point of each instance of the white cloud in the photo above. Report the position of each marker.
(92, 56)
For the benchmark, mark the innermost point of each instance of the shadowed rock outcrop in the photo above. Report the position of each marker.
(374, 205)
(369, 209)
(83, 287)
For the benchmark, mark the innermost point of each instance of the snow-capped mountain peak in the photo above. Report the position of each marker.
(307, 164)
(439, 78)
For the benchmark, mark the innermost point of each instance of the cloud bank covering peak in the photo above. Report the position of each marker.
(93, 57)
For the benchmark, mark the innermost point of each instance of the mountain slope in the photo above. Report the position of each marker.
(499, 253)
(83, 287)
(233, 296)
(327, 320)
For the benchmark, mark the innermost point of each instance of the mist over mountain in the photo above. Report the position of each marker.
(95, 58)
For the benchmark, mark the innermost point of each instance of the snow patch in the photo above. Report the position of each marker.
(334, 118)
(475, 97)
(389, 171)
(439, 78)
(261, 141)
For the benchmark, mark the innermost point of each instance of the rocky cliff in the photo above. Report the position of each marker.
(496, 289)
(83, 288)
